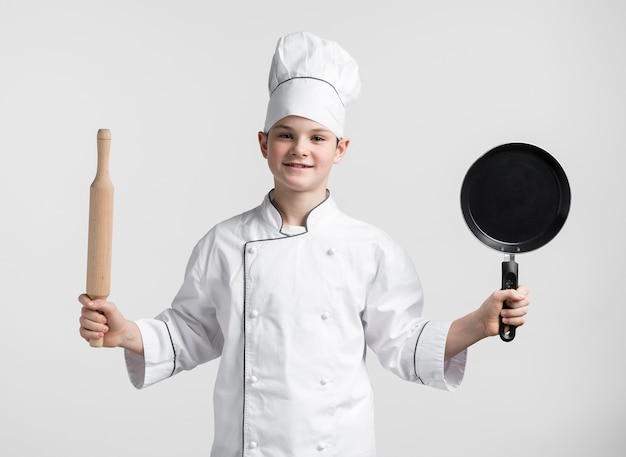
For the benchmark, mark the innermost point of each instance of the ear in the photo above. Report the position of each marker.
(342, 147)
(262, 136)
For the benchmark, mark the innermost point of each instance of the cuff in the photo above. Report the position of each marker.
(158, 361)
(430, 367)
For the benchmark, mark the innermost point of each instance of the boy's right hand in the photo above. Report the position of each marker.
(101, 318)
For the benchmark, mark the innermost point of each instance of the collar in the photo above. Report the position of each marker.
(316, 217)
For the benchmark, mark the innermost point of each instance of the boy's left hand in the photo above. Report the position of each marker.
(485, 321)
(517, 302)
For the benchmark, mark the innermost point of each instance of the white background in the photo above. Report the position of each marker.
(182, 86)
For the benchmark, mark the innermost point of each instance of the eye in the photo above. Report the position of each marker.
(318, 138)
(284, 135)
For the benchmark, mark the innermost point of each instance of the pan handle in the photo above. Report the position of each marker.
(509, 281)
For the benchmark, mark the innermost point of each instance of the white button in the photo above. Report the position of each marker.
(325, 315)
(253, 379)
(321, 446)
(331, 251)
(324, 381)
(252, 250)
(254, 313)
(253, 444)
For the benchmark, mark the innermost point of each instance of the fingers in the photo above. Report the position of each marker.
(514, 298)
(515, 316)
(93, 321)
(97, 317)
(91, 330)
(518, 298)
(511, 295)
(523, 290)
(517, 302)
(99, 305)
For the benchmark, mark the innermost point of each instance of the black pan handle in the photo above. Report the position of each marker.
(509, 281)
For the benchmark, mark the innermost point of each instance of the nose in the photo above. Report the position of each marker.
(300, 147)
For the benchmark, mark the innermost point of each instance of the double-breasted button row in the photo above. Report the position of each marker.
(252, 379)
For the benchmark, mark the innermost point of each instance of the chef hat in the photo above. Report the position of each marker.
(313, 78)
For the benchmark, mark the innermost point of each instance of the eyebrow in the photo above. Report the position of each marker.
(287, 127)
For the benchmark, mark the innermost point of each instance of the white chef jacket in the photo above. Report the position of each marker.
(290, 317)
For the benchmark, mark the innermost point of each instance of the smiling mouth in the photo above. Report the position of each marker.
(298, 165)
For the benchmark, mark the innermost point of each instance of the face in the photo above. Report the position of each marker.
(300, 153)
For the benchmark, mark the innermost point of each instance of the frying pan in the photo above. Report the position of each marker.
(515, 198)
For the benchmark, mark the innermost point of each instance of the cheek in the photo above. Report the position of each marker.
(273, 162)
(274, 158)
(331, 159)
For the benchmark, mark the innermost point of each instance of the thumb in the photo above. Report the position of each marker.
(510, 294)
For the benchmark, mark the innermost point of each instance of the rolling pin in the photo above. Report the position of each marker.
(100, 227)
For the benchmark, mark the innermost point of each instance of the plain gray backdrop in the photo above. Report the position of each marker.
(182, 86)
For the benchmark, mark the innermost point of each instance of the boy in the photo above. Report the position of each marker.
(289, 293)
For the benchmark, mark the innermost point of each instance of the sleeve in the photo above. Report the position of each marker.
(181, 337)
(428, 360)
(158, 360)
(407, 344)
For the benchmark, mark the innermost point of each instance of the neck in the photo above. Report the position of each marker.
(295, 207)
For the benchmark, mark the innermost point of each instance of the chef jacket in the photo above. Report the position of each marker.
(291, 317)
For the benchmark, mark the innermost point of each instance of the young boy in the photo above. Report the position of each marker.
(290, 293)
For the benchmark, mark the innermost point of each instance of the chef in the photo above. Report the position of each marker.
(290, 294)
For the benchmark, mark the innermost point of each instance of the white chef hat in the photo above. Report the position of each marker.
(313, 78)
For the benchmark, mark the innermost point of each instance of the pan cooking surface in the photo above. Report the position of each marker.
(515, 198)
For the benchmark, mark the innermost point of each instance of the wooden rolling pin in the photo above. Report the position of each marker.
(100, 227)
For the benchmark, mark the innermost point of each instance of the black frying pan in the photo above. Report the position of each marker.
(515, 198)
